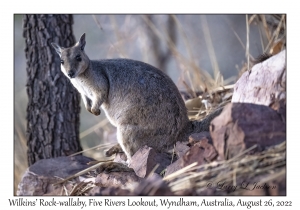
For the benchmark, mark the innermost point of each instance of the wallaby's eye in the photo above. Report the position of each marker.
(78, 58)
(62, 62)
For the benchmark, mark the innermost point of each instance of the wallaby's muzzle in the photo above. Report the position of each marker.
(71, 74)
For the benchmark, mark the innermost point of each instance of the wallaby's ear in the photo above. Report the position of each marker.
(82, 42)
(57, 48)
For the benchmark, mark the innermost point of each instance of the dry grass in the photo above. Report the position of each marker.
(270, 164)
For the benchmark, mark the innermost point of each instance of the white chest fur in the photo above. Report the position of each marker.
(82, 87)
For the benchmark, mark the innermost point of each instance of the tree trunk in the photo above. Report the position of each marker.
(54, 104)
(161, 56)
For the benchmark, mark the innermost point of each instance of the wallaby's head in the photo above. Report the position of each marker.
(73, 60)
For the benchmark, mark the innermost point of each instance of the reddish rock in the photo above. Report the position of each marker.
(195, 154)
(181, 148)
(146, 158)
(202, 152)
(210, 152)
(242, 125)
(196, 137)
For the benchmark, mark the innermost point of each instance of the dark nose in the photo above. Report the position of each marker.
(71, 74)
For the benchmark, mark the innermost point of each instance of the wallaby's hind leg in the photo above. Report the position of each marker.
(122, 139)
(131, 138)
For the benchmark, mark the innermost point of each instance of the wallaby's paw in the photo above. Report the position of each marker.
(96, 111)
(113, 167)
(113, 150)
(89, 109)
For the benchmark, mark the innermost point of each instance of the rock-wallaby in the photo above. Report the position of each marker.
(139, 99)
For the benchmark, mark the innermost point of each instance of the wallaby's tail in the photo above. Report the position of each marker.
(203, 125)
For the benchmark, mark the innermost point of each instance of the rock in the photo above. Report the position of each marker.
(195, 154)
(181, 148)
(242, 125)
(61, 166)
(201, 152)
(153, 186)
(122, 180)
(210, 152)
(196, 137)
(265, 83)
(146, 158)
(108, 191)
(174, 167)
(120, 158)
(40, 177)
(37, 185)
(280, 107)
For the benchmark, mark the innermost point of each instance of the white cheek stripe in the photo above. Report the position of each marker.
(63, 70)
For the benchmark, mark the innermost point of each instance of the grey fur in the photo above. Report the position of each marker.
(140, 100)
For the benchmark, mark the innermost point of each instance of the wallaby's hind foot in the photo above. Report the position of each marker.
(114, 150)
(95, 111)
(113, 167)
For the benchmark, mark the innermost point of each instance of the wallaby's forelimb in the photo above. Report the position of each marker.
(97, 102)
(87, 103)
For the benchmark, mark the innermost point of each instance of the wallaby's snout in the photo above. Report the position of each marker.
(71, 74)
